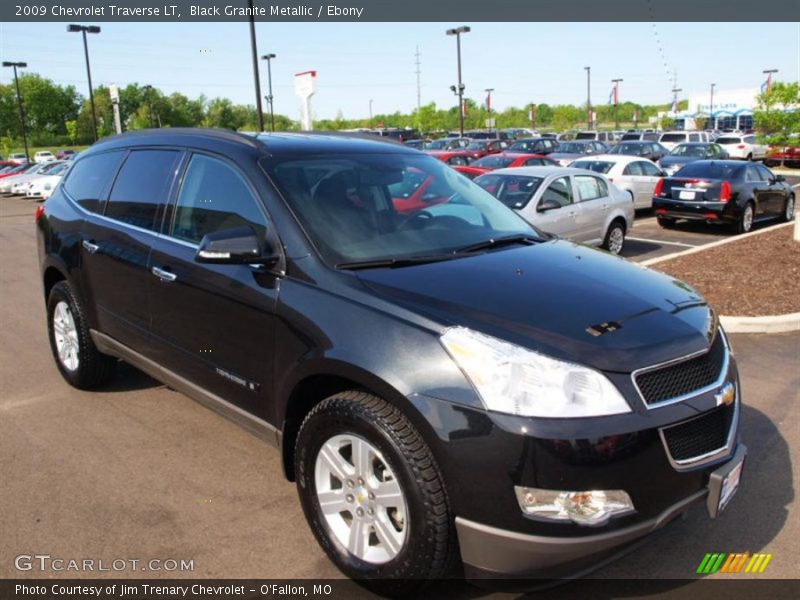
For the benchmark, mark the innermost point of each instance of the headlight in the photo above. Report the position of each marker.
(515, 380)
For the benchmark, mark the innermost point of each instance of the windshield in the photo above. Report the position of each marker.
(572, 148)
(493, 162)
(515, 191)
(437, 145)
(634, 149)
(370, 207)
(689, 150)
(598, 166)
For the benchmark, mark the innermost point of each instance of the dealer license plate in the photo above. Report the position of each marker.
(729, 486)
(684, 195)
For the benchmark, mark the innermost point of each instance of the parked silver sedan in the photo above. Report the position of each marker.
(632, 174)
(576, 204)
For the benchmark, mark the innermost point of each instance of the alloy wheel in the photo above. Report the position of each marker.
(747, 218)
(66, 337)
(616, 238)
(361, 499)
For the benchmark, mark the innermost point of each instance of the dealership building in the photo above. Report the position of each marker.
(732, 109)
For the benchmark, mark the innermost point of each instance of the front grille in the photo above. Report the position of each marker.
(701, 435)
(679, 379)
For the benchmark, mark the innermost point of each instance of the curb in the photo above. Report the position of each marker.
(771, 324)
(728, 240)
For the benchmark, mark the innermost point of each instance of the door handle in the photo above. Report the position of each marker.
(164, 275)
(90, 247)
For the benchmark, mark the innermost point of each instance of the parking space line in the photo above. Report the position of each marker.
(662, 242)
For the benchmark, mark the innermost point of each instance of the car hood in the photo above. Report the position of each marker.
(560, 298)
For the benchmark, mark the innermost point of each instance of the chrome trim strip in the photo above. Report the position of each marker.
(712, 456)
(723, 373)
(255, 425)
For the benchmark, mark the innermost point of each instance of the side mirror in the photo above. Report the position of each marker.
(236, 246)
(546, 205)
(780, 178)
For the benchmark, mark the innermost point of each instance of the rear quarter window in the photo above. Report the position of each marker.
(89, 178)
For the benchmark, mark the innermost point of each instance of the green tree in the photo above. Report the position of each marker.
(777, 116)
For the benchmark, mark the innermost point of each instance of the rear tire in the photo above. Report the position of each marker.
(788, 209)
(614, 241)
(405, 541)
(78, 360)
(745, 222)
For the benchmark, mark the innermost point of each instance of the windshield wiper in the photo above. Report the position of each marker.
(522, 238)
(394, 262)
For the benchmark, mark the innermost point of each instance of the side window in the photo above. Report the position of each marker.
(634, 168)
(89, 178)
(590, 188)
(214, 197)
(141, 187)
(766, 174)
(753, 174)
(459, 161)
(750, 139)
(534, 162)
(693, 137)
(649, 169)
(559, 191)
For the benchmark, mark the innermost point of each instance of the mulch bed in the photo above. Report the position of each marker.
(753, 277)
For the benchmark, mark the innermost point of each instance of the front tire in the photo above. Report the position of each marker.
(373, 494)
(615, 238)
(78, 360)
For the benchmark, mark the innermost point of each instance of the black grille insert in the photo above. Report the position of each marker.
(684, 377)
(701, 435)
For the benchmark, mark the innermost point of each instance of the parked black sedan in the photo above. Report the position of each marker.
(723, 191)
(646, 149)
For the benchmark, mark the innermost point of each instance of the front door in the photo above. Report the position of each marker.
(214, 324)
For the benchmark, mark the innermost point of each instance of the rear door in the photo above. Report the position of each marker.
(214, 324)
(592, 198)
(651, 176)
(117, 240)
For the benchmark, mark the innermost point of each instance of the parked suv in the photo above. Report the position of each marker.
(441, 384)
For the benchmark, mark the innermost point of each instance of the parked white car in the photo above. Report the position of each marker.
(41, 187)
(576, 204)
(18, 157)
(635, 175)
(44, 156)
(670, 139)
(7, 183)
(745, 147)
(19, 184)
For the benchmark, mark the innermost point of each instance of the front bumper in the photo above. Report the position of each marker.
(490, 552)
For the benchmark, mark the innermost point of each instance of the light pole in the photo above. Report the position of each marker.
(675, 92)
(588, 96)
(21, 65)
(268, 58)
(489, 104)
(256, 78)
(457, 32)
(84, 29)
(616, 83)
(711, 123)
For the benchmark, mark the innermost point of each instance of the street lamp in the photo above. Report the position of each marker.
(711, 123)
(256, 77)
(268, 58)
(84, 29)
(616, 83)
(457, 32)
(588, 96)
(21, 65)
(489, 104)
(768, 73)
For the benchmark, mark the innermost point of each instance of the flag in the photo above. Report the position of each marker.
(532, 113)
(766, 84)
(611, 96)
(464, 107)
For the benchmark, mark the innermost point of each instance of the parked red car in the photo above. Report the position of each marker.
(481, 148)
(503, 161)
(453, 157)
(8, 168)
(418, 190)
(789, 155)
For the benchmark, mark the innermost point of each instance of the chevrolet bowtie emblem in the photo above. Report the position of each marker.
(726, 394)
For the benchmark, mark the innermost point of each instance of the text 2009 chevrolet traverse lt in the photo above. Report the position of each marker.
(446, 384)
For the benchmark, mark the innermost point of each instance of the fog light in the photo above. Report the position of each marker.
(591, 508)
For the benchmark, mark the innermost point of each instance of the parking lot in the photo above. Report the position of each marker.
(140, 471)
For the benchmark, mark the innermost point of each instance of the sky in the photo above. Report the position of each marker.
(359, 62)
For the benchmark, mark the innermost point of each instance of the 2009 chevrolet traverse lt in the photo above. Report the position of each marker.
(444, 384)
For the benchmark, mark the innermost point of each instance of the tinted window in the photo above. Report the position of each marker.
(141, 186)
(90, 177)
(598, 166)
(586, 135)
(631, 136)
(537, 162)
(649, 169)
(753, 174)
(512, 190)
(460, 161)
(673, 137)
(750, 139)
(559, 191)
(694, 137)
(493, 162)
(729, 140)
(590, 188)
(766, 174)
(633, 168)
(214, 197)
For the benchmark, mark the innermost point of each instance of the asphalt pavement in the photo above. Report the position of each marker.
(137, 471)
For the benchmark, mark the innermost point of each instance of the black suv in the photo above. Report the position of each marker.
(443, 383)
